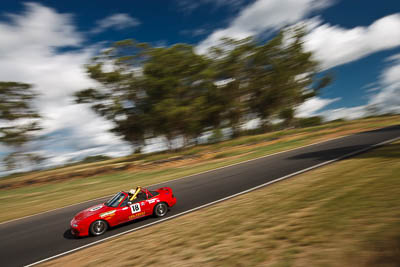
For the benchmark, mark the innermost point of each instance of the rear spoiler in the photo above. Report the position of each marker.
(167, 189)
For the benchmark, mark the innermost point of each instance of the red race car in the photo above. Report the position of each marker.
(121, 208)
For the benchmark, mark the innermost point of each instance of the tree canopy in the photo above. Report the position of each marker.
(174, 92)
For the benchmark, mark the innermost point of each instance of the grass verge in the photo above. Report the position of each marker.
(343, 214)
(81, 182)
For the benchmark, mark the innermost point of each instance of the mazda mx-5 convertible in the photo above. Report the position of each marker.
(121, 208)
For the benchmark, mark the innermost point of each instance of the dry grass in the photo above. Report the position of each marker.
(344, 214)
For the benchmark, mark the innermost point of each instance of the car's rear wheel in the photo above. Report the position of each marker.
(98, 227)
(160, 209)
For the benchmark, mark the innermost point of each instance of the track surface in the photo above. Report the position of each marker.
(32, 239)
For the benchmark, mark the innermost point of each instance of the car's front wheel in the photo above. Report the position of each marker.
(98, 227)
(160, 209)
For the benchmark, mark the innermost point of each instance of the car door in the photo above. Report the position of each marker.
(123, 211)
(137, 209)
(140, 206)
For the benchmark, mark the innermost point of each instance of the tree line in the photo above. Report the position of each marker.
(176, 93)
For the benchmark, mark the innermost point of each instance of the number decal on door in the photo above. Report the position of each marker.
(135, 208)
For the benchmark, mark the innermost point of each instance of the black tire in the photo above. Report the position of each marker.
(161, 209)
(98, 227)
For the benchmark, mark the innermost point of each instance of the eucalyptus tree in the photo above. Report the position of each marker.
(180, 86)
(231, 60)
(18, 122)
(174, 92)
(267, 79)
(120, 96)
(148, 92)
(283, 75)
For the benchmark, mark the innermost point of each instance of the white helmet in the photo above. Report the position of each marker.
(132, 191)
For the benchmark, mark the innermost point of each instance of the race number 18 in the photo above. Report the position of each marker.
(135, 208)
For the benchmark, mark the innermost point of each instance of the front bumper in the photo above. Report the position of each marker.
(74, 231)
(79, 232)
(78, 229)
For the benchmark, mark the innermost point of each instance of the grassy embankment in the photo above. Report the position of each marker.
(40, 191)
(343, 214)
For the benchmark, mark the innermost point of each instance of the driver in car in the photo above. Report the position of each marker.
(131, 194)
(137, 194)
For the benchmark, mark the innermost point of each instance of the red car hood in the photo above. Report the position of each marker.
(96, 209)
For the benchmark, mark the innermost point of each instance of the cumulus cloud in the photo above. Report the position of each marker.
(117, 21)
(387, 100)
(313, 105)
(262, 16)
(30, 53)
(40, 28)
(333, 45)
(351, 113)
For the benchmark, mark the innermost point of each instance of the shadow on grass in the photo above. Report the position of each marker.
(386, 252)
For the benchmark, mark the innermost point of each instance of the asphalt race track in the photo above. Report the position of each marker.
(38, 237)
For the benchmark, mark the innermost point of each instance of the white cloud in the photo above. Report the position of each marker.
(313, 105)
(371, 87)
(29, 53)
(334, 45)
(40, 27)
(391, 75)
(393, 58)
(385, 100)
(344, 113)
(117, 21)
(388, 98)
(262, 16)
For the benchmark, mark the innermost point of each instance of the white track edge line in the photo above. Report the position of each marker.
(184, 177)
(220, 200)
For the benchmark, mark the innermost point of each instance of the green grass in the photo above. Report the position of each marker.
(343, 214)
(31, 199)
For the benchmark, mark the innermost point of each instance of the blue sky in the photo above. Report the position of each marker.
(47, 42)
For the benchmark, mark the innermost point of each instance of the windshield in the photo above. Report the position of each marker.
(115, 200)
